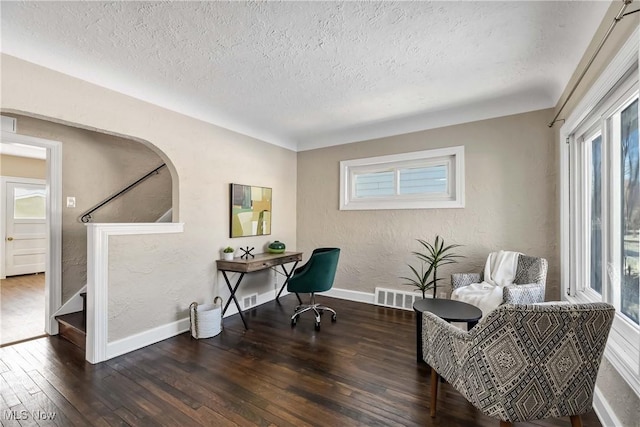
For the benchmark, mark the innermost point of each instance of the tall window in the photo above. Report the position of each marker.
(600, 204)
(605, 165)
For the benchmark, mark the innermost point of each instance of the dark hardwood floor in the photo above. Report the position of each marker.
(360, 371)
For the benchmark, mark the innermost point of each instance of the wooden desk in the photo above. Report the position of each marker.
(258, 263)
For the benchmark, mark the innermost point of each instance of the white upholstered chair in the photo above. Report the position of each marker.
(528, 284)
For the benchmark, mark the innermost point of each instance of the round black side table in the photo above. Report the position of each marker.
(446, 309)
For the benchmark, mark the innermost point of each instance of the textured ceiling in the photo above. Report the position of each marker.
(309, 74)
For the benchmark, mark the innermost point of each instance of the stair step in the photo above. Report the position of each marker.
(73, 329)
(83, 295)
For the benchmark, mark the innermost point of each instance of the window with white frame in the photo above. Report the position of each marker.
(603, 193)
(417, 180)
(607, 209)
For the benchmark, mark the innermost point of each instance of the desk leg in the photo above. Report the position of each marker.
(419, 358)
(233, 296)
(288, 275)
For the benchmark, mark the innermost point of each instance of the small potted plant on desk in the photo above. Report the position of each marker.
(435, 256)
(227, 253)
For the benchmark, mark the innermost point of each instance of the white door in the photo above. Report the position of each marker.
(26, 229)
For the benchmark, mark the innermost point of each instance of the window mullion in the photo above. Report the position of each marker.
(608, 230)
(578, 261)
(606, 213)
(396, 178)
(450, 171)
(615, 205)
(585, 209)
(587, 228)
(572, 175)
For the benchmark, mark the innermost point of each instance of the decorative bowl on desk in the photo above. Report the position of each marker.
(276, 247)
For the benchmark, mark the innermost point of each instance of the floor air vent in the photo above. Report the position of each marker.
(249, 301)
(395, 298)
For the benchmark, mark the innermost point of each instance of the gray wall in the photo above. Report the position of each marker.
(510, 203)
(153, 278)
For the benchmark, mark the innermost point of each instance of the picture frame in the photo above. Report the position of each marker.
(250, 210)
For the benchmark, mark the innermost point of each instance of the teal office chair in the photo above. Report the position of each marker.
(315, 276)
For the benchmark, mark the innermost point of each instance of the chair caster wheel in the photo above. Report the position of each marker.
(317, 326)
(334, 318)
(294, 321)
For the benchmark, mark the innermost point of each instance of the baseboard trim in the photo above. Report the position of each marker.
(145, 338)
(163, 332)
(605, 413)
(347, 294)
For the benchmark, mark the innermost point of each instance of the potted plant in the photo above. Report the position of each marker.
(434, 256)
(227, 253)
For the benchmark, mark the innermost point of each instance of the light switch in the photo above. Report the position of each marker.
(71, 202)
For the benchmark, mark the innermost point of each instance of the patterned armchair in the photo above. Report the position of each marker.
(528, 285)
(522, 362)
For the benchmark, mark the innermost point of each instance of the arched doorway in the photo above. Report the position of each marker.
(91, 166)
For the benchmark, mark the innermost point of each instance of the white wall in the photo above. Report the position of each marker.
(153, 279)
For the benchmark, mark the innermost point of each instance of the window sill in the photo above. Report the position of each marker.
(407, 204)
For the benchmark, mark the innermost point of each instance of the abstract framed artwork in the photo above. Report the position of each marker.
(250, 210)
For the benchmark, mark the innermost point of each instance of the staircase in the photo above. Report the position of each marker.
(73, 326)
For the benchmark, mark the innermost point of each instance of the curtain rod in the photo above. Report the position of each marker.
(617, 19)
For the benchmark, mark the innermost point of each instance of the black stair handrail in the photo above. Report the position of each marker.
(86, 217)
